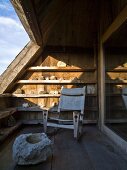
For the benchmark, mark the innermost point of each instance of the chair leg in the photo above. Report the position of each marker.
(76, 123)
(80, 124)
(45, 117)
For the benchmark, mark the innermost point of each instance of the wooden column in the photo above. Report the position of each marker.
(101, 80)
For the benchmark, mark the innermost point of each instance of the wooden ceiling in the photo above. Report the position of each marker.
(77, 26)
(66, 22)
(118, 38)
(60, 22)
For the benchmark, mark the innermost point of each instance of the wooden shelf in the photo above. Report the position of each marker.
(62, 69)
(32, 109)
(53, 82)
(44, 95)
(39, 109)
(36, 95)
(7, 112)
(121, 69)
(116, 82)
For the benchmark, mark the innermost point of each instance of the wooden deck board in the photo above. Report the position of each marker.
(102, 152)
(69, 155)
(93, 152)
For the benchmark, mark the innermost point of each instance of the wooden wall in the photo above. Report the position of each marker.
(77, 26)
(83, 59)
(109, 10)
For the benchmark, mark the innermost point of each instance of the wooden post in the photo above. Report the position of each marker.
(101, 79)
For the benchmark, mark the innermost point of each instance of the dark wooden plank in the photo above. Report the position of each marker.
(42, 166)
(69, 154)
(93, 151)
(102, 152)
(69, 49)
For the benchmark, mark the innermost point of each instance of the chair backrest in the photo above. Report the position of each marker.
(72, 99)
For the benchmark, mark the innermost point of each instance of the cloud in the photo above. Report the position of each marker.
(9, 22)
(12, 40)
(13, 37)
(5, 6)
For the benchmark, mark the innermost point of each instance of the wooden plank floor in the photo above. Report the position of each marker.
(94, 151)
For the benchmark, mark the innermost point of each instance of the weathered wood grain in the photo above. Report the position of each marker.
(25, 11)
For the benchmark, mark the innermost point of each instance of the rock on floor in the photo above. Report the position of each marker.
(31, 148)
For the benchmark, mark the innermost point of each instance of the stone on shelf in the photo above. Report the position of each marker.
(43, 92)
(125, 64)
(25, 105)
(31, 148)
(53, 78)
(91, 89)
(19, 91)
(61, 64)
(41, 78)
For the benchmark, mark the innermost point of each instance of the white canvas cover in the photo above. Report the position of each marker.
(72, 99)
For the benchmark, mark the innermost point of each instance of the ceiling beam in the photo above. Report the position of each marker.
(26, 12)
(119, 20)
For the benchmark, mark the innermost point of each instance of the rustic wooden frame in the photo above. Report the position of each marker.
(119, 20)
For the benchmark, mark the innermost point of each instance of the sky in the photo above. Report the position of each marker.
(13, 37)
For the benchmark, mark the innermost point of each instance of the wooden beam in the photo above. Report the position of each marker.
(101, 85)
(119, 20)
(51, 16)
(26, 12)
(18, 65)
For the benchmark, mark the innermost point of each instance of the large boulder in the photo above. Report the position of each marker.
(31, 148)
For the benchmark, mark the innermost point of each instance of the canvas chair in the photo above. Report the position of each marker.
(70, 100)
